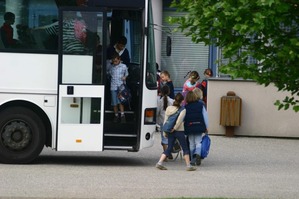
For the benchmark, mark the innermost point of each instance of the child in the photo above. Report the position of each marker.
(191, 82)
(176, 133)
(163, 102)
(118, 72)
(120, 48)
(7, 30)
(204, 84)
(198, 93)
(165, 80)
(196, 123)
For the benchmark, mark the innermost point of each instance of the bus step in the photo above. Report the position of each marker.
(119, 135)
(118, 148)
(120, 141)
(112, 112)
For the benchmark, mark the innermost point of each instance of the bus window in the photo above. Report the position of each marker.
(151, 70)
(82, 31)
(35, 25)
(74, 33)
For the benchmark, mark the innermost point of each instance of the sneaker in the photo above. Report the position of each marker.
(160, 166)
(192, 164)
(198, 160)
(190, 168)
(115, 120)
(123, 119)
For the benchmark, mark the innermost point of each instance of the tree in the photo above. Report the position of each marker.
(265, 30)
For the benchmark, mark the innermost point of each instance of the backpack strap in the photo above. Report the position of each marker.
(180, 109)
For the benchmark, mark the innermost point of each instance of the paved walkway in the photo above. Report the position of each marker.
(243, 167)
(238, 167)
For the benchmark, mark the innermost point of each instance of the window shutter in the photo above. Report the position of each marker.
(185, 55)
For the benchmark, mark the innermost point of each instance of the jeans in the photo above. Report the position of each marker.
(164, 139)
(171, 140)
(114, 98)
(194, 145)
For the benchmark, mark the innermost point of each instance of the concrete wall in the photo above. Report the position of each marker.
(259, 117)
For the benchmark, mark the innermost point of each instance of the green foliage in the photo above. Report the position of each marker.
(266, 30)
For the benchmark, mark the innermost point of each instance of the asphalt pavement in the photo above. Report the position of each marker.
(238, 167)
(242, 167)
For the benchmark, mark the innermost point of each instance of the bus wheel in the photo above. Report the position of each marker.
(22, 135)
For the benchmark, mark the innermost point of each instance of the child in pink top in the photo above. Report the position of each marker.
(191, 83)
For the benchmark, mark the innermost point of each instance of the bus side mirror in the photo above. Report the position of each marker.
(168, 46)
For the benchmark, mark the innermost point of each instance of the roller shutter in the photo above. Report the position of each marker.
(186, 55)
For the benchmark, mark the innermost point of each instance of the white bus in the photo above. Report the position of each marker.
(55, 93)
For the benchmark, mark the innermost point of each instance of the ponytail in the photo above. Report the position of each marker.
(165, 102)
(178, 99)
(165, 92)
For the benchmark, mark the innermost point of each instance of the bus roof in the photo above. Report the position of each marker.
(102, 3)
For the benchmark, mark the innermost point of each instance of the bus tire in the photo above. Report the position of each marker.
(22, 135)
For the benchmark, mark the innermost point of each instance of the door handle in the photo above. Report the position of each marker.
(70, 90)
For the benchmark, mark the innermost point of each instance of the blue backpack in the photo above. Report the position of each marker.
(205, 146)
(124, 94)
(171, 120)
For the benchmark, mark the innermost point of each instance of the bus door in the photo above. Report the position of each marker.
(81, 89)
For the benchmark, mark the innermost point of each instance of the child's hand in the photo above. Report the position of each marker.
(165, 134)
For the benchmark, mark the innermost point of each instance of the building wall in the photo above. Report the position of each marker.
(259, 117)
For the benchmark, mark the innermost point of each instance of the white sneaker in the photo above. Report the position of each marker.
(190, 168)
(160, 166)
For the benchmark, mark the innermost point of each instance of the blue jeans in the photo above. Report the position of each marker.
(194, 145)
(171, 140)
(164, 139)
(114, 98)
